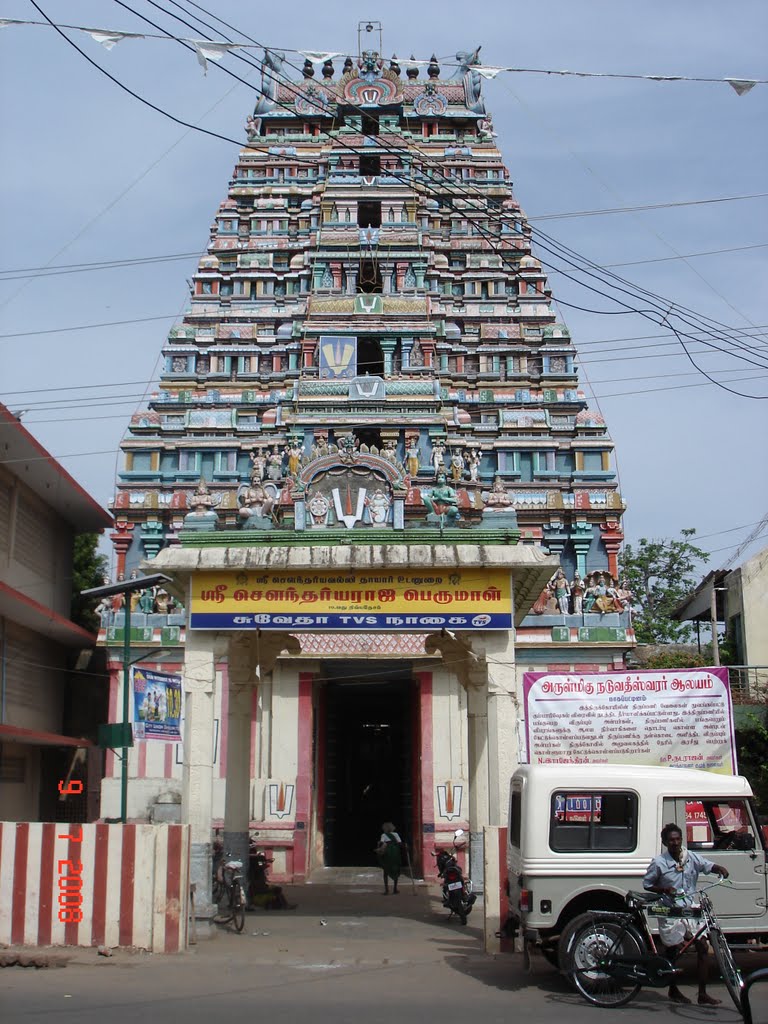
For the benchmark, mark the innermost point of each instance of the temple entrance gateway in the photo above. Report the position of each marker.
(366, 755)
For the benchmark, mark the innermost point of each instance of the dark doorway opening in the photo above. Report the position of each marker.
(369, 436)
(369, 281)
(370, 165)
(368, 760)
(369, 123)
(369, 213)
(370, 358)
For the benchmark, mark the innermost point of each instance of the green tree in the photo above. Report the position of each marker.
(88, 571)
(752, 756)
(660, 574)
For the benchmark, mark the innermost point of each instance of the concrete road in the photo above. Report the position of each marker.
(346, 954)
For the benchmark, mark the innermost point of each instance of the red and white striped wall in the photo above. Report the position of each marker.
(135, 885)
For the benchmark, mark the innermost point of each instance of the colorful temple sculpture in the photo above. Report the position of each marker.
(371, 474)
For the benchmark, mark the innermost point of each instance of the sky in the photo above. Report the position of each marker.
(89, 174)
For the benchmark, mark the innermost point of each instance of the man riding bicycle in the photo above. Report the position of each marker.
(673, 874)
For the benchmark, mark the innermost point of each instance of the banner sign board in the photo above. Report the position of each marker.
(359, 600)
(156, 705)
(681, 718)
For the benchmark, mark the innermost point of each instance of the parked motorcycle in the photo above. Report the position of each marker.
(457, 890)
(261, 892)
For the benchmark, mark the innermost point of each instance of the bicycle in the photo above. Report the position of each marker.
(610, 955)
(228, 882)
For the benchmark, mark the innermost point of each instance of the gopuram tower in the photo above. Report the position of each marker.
(371, 474)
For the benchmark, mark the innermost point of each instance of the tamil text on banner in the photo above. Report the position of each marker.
(680, 718)
(456, 599)
(156, 705)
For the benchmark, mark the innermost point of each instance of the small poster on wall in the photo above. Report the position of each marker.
(156, 705)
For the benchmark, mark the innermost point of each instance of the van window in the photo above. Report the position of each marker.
(582, 821)
(515, 816)
(723, 824)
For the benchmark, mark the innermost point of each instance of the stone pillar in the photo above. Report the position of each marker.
(386, 277)
(612, 535)
(237, 803)
(479, 804)
(350, 274)
(407, 345)
(555, 537)
(122, 540)
(388, 349)
(503, 714)
(428, 348)
(199, 680)
(581, 538)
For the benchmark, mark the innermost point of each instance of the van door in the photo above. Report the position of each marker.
(723, 830)
(514, 843)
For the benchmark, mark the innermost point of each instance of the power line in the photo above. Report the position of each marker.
(488, 71)
(627, 309)
(616, 394)
(55, 270)
(647, 206)
(88, 327)
(687, 256)
(32, 273)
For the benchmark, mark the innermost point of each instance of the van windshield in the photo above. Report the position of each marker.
(722, 824)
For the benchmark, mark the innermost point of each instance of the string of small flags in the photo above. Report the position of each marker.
(208, 50)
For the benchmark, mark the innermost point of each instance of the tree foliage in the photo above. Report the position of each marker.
(676, 658)
(88, 570)
(660, 574)
(752, 755)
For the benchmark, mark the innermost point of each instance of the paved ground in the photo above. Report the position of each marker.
(346, 954)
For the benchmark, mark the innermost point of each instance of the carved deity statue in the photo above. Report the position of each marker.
(259, 464)
(577, 594)
(255, 502)
(498, 496)
(202, 513)
(438, 451)
(294, 451)
(474, 459)
(412, 455)
(442, 500)
(561, 589)
(275, 465)
(389, 451)
(457, 466)
(378, 505)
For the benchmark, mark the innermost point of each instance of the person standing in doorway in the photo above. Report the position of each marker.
(388, 854)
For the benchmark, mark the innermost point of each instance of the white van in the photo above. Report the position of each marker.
(580, 836)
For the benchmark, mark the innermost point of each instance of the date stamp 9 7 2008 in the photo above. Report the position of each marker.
(71, 871)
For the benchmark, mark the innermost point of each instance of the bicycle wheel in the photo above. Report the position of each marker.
(217, 891)
(589, 944)
(238, 906)
(728, 969)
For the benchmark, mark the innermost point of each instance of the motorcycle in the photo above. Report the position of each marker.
(457, 890)
(261, 892)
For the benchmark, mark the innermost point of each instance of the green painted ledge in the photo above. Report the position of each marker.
(285, 538)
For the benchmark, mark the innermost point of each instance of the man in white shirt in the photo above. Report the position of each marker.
(673, 874)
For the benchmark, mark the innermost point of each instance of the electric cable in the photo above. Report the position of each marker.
(195, 28)
(628, 310)
(54, 270)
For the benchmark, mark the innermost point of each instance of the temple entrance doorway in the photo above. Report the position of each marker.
(368, 762)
